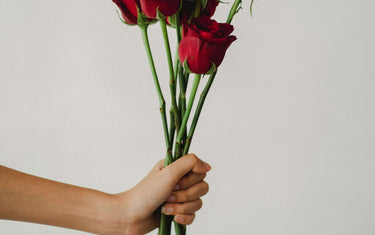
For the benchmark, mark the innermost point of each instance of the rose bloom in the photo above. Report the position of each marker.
(128, 10)
(165, 7)
(188, 7)
(204, 43)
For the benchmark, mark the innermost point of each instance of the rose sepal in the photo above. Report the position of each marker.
(142, 19)
(122, 20)
(210, 71)
(186, 66)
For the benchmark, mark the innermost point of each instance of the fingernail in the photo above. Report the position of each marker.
(180, 219)
(167, 209)
(171, 198)
(207, 166)
(177, 187)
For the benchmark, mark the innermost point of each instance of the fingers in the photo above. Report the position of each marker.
(184, 219)
(184, 165)
(189, 180)
(182, 208)
(190, 194)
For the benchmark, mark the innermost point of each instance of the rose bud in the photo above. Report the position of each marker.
(204, 44)
(188, 8)
(165, 7)
(210, 8)
(129, 10)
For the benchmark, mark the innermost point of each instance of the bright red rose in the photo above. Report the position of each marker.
(128, 10)
(204, 43)
(165, 7)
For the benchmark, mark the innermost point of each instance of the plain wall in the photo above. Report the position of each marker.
(288, 125)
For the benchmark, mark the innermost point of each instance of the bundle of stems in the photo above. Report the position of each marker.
(177, 135)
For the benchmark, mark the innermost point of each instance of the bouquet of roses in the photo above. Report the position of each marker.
(202, 43)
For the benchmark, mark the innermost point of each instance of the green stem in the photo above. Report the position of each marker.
(165, 225)
(179, 138)
(179, 73)
(179, 228)
(198, 112)
(172, 128)
(234, 10)
(164, 228)
(186, 78)
(172, 81)
(158, 89)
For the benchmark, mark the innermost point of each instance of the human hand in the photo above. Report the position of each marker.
(180, 185)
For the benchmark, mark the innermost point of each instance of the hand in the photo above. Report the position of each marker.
(180, 185)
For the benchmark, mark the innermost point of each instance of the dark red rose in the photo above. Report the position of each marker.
(210, 8)
(128, 10)
(165, 7)
(204, 43)
(188, 10)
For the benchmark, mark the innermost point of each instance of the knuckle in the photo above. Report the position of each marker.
(203, 176)
(205, 186)
(182, 196)
(183, 209)
(183, 183)
(193, 157)
(159, 165)
(200, 204)
(190, 219)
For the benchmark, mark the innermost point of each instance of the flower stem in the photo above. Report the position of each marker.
(172, 81)
(179, 228)
(172, 127)
(158, 89)
(178, 152)
(198, 112)
(234, 10)
(165, 222)
(180, 74)
(165, 225)
(186, 78)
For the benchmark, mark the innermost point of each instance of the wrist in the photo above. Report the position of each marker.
(124, 223)
(131, 220)
(105, 216)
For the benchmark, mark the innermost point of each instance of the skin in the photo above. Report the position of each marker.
(177, 189)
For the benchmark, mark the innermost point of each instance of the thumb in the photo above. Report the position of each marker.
(185, 164)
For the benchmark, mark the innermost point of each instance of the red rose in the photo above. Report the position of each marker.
(128, 10)
(210, 8)
(188, 10)
(204, 43)
(165, 7)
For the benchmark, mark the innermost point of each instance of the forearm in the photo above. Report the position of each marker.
(29, 198)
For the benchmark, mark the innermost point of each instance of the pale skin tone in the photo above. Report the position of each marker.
(177, 189)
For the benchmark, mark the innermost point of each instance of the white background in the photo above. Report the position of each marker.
(288, 126)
